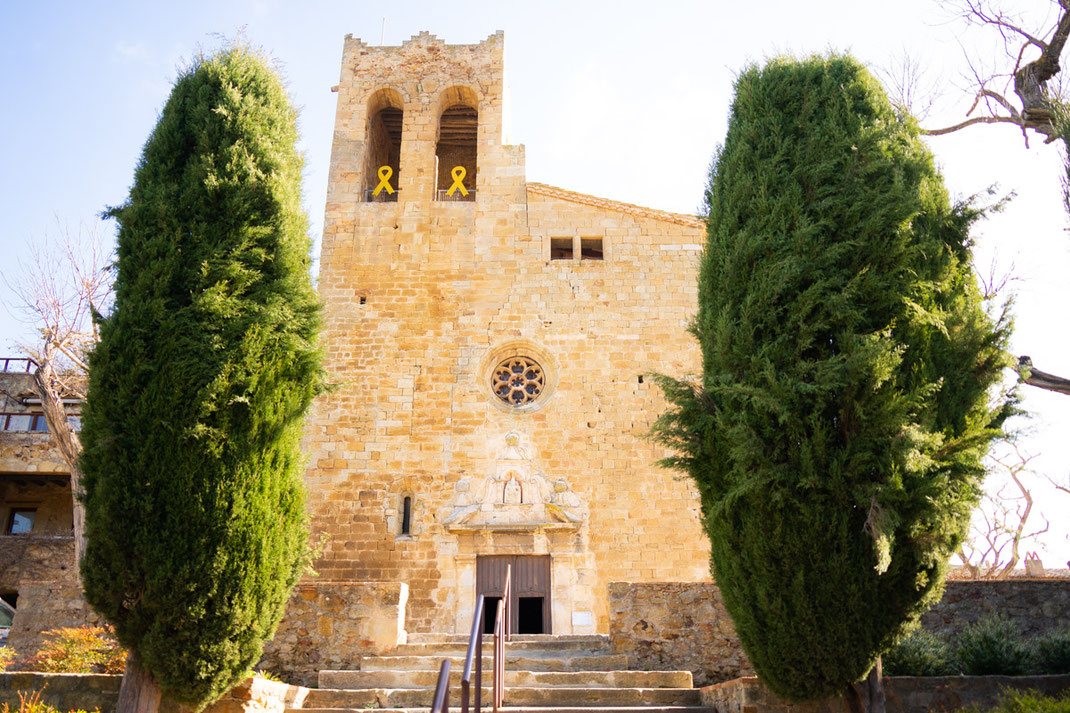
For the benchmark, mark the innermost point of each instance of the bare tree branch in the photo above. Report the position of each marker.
(1041, 379)
(1000, 530)
(65, 284)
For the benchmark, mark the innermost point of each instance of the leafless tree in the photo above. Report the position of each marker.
(1024, 93)
(63, 284)
(999, 537)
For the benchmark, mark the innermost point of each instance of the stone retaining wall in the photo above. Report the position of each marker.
(327, 625)
(905, 694)
(65, 691)
(43, 606)
(1036, 606)
(678, 626)
(331, 625)
(79, 691)
(683, 625)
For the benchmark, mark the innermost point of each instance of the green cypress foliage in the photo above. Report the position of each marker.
(195, 521)
(846, 398)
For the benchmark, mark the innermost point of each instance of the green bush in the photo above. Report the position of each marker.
(992, 646)
(7, 657)
(837, 432)
(194, 501)
(922, 653)
(1053, 653)
(85, 649)
(1027, 702)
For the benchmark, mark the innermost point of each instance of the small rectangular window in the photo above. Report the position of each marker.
(40, 424)
(21, 521)
(560, 248)
(19, 422)
(590, 248)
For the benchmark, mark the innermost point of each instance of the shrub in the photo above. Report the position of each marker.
(86, 649)
(7, 657)
(1053, 653)
(992, 646)
(837, 432)
(1028, 702)
(32, 703)
(922, 653)
(194, 499)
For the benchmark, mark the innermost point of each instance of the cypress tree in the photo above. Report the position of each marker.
(195, 520)
(846, 396)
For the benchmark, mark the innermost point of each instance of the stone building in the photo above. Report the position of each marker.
(36, 539)
(493, 339)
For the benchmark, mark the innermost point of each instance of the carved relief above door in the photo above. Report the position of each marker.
(516, 495)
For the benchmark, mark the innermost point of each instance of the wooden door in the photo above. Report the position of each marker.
(531, 583)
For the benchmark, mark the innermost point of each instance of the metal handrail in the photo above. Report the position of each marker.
(8, 361)
(475, 652)
(502, 626)
(441, 701)
(502, 633)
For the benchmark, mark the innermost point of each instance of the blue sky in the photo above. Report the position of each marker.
(625, 100)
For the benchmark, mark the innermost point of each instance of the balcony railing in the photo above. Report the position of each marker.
(17, 365)
(443, 194)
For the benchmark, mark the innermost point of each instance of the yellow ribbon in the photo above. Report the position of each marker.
(458, 174)
(385, 172)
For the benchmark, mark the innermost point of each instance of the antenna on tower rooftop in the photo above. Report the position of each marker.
(382, 34)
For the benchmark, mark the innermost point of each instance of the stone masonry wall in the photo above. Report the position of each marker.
(424, 297)
(678, 625)
(100, 692)
(331, 625)
(45, 558)
(1036, 606)
(43, 606)
(327, 625)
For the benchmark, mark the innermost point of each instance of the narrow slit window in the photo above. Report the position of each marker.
(591, 248)
(406, 516)
(560, 248)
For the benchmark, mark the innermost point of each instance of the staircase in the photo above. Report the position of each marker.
(543, 673)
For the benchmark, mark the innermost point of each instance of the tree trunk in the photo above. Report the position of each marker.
(867, 696)
(68, 443)
(138, 692)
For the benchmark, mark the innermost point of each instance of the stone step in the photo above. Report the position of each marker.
(522, 709)
(593, 639)
(514, 696)
(571, 679)
(541, 647)
(595, 662)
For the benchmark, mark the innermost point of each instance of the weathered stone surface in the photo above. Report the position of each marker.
(43, 606)
(330, 625)
(684, 625)
(677, 626)
(904, 694)
(76, 691)
(65, 691)
(1036, 606)
(425, 297)
(43, 558)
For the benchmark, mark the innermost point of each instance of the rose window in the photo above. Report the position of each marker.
(518, 381)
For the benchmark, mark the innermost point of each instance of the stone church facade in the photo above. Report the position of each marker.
(492, 348)
(493, 352)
